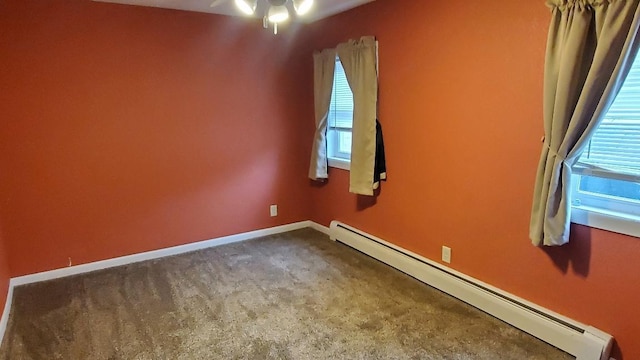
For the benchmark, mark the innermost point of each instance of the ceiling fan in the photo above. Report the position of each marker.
(277, 12)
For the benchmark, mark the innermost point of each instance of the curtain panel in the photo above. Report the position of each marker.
(359, 59)
(324, 63)
(590, 49)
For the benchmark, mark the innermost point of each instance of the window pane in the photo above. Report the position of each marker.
(341, 108)
(616, 143)
(609, 187)
(344, 142)
(340, 116)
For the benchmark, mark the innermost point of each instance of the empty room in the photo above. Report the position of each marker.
(319, 179)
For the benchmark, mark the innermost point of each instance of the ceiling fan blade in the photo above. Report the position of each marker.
(217, 2)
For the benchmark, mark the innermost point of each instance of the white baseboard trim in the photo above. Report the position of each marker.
(155, 254)
(4, 321)
(323, 229)
(582, 341)
(148, 255)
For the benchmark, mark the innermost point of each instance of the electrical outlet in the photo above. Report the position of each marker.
(446, 254)
(273, 209)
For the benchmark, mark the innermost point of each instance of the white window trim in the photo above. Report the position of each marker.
(606, 220)
(333, 139)
(608, 212)
(598, 217)
(343, 164)
(592, 170)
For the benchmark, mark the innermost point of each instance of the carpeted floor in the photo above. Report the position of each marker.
(290, 296)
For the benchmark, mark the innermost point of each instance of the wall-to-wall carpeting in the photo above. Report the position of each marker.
(295, 295)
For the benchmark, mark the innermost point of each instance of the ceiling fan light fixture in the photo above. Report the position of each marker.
(278, 14)
(302, 7)
(247, 6)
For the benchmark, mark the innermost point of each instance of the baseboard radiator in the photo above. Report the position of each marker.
(582, 341)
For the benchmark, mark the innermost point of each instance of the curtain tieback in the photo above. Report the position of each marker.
(552, 151)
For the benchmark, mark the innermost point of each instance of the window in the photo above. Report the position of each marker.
(340, 120)
(606, 182)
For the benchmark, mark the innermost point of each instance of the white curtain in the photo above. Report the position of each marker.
(359, 60)
(324, 65)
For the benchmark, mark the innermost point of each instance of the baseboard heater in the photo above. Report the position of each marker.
(582, 341)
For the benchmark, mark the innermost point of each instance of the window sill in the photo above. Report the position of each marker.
(339, 163)
(606, 220)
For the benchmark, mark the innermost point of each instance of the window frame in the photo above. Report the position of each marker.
(602, 211)
(606, 220)
(607, 212)
(337, 159)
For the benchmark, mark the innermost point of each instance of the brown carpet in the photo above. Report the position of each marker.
(290, 296)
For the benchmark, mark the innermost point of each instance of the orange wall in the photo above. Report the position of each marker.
(128, 129)
(461, 109)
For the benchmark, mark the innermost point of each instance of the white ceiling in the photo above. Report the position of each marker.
(321, 8)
